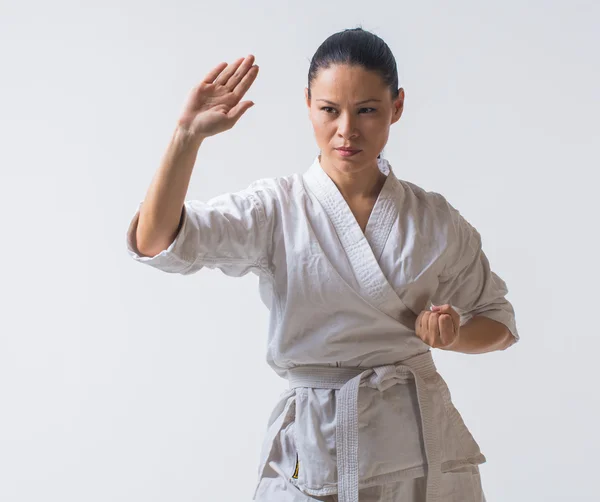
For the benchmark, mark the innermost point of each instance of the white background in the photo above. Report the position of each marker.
(122, 383)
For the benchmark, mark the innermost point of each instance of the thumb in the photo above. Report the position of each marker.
(238, 110)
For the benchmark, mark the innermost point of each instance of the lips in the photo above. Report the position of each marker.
(348, 149)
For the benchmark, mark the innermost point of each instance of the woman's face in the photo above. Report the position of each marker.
(351, 107)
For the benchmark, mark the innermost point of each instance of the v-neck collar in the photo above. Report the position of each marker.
(382, 215)
(363, 249)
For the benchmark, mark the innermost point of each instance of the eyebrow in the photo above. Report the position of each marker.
(359, 103)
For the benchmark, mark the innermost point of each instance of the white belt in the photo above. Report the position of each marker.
(347, 381)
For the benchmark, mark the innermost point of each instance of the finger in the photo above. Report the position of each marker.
(421, 333)
(240, 73)
(434, 327)
(212, 74)
(449, 310)
(421, 324)
(226, 74)
(238, 110)
(447, 333)
(246, 82)
(236, 72)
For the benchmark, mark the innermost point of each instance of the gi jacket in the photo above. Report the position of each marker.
(348, 301)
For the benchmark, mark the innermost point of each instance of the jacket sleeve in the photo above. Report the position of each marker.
(467, 281)
(230, 232)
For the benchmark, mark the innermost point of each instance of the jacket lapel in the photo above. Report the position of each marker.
(363, 250)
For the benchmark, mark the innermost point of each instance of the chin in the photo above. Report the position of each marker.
(357, 160)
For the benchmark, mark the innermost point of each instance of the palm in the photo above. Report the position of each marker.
(210, 109)
(214, 105)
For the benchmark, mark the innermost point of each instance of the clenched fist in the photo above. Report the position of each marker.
(438, 327)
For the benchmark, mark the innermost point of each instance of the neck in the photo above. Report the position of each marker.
(365, 182)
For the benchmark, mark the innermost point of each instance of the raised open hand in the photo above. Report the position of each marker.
(214, 105)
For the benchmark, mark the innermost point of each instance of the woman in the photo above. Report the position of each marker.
(349, 259)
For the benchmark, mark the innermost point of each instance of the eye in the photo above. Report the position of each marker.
(327, 108)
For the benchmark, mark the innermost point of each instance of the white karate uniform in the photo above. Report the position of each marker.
(366, 411)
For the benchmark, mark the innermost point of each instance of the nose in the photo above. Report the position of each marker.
(346, 126)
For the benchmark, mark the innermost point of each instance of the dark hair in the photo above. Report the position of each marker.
(359, 47)
(356, 47)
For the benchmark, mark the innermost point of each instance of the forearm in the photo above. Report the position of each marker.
(481, 334)
(160, 214)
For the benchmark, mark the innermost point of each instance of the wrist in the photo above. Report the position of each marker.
(184, 138)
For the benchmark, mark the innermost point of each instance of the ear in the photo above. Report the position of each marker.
(306, 98)
(398, 106)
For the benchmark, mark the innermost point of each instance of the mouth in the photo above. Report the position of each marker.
(349, 150)
(346, 153)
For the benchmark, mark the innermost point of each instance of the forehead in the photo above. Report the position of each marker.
(347, 82)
